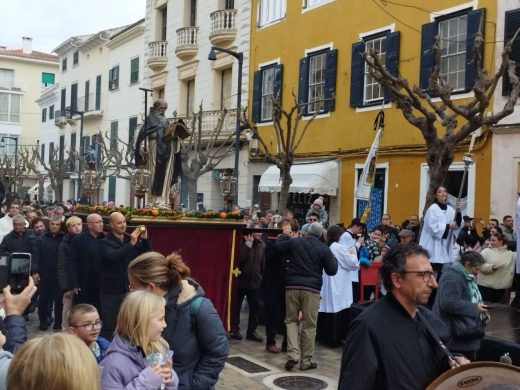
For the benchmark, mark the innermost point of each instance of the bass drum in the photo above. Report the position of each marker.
(479, 375)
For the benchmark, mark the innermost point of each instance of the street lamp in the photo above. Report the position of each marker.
(240, 57)
(2, 145)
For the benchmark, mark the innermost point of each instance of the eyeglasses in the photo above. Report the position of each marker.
(89, 325)
(426, 275)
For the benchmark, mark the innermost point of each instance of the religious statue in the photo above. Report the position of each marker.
(158, 148)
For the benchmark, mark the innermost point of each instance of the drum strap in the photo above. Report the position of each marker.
(432, 333)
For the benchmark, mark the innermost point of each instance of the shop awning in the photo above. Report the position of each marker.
(315, 178)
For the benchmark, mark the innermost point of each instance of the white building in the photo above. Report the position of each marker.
(505, 167)
(24, 73)
(179, 35)
(99, 94)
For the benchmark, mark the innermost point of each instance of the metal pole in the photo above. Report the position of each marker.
(80, 165)
(145, 90)
(15, 161)
(239, 110)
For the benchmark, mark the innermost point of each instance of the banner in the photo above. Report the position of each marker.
(369, 170)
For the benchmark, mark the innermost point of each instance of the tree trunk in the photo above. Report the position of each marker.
(439, 158)
(285, 175)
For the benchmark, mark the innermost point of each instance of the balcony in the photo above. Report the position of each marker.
(158, 58)
(223, 27)
(187, 42)
(210, 120)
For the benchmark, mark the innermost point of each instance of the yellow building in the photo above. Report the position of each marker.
(311, 48)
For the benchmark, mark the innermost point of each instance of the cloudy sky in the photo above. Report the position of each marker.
(51, 22)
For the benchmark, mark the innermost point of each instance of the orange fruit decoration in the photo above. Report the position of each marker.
(155, 212)
(222, 215)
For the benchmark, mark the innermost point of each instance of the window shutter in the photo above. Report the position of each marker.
(427, 56)
(278, 82)
(330, 80)
(111, 188)
(474, 18)
(392, 58)
(303, 84)
(257, 96)
(512, 23)
(357, 66)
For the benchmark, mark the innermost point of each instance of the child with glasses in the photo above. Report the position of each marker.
(84, 322)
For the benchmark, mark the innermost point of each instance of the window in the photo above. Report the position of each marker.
(270, 11)
(47, 79)
(6, 78)
(86, 108)
(51, 112)
(193, 13)
(9, 107)
(164, 22)
(267, 84)
(73, 98)
(113, 135)
(113, 78)
(98, 92)
(373, 90)
(230, 4)
(317, 86)
(134, 70)
(364, 89)
(63, 102)
(226, 94)
(132, 125)
(314, 3)
(72, 161)
(64, 64)
(111, 188)
(512, 23)
(457, 33)
(43, 152)
(61, 151)
(75, 58)
(51, 152)
(44, 115)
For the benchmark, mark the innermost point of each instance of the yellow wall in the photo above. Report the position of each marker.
(340, 23)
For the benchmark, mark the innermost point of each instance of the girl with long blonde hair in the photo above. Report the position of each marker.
(138, 356)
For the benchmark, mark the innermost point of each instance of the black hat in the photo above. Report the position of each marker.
(467, 218)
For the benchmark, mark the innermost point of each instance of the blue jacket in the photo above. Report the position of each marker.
(200, 353)
(103, 345)
(15, 329)
(125, 367)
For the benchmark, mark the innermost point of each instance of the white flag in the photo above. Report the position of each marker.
(369, 170)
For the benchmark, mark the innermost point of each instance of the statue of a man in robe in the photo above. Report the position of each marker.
(158, 148)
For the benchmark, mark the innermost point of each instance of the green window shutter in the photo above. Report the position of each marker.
(113, 135)
(47, 78)
(512, 23)
(134, 70)
(132, 124)
(112, 188)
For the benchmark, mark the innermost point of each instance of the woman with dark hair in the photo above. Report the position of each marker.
(458, 298)
(336, 291)
(194, 330)
(496, 274)
(440, 224)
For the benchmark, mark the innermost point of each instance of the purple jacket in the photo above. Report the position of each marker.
(125, 367)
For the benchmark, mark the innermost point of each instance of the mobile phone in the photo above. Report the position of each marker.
(5, 267)
(20, 271)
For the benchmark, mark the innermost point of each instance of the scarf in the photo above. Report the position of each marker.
(443, 206)
(474, 292)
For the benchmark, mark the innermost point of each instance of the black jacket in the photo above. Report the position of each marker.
(84, 261)
(45, 256)
(305, 260)
(63, 261)
(116, 256)
(274, 269)
(252, 262)
(13, 242)
(388, 349)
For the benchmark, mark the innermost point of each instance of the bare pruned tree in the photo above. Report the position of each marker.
(117, 156)
(203, 150)
(457, 120)
(289, 132)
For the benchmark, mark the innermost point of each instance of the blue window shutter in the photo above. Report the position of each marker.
(331, 65)
(512, 23)
(392, 58)
(473, 26)
(303, 85)
(278, 82)
(257, 96)
(427, 56)
(357, 70)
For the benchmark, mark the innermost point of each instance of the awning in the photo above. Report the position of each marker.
(315, 178)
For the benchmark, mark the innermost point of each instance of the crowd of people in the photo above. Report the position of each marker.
(129, 306)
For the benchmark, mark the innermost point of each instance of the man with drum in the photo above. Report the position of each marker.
(396, 343)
